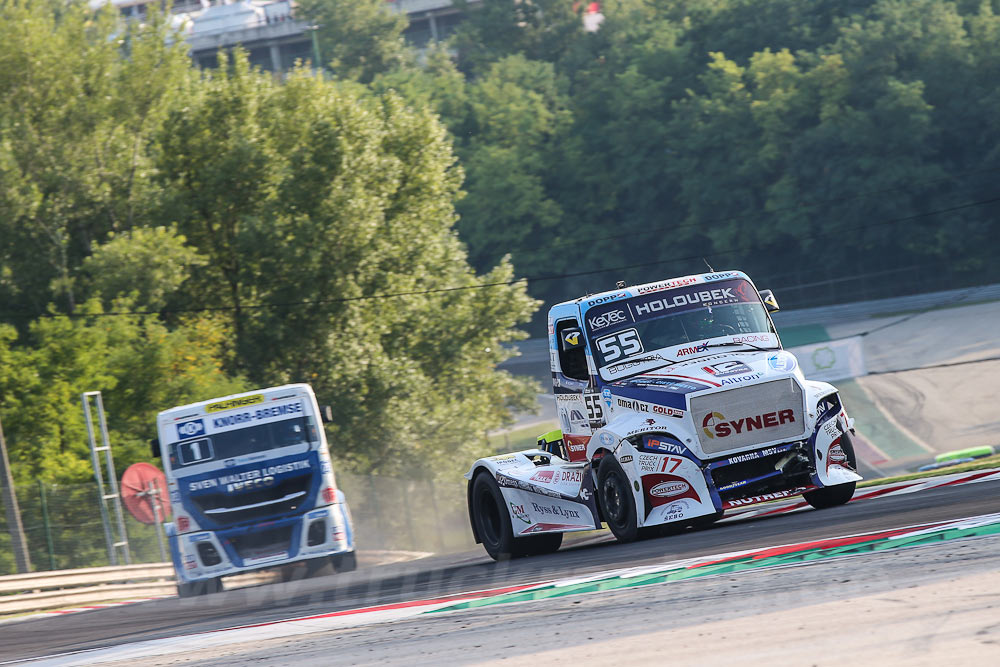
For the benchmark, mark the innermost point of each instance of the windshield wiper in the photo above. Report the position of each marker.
(735, 344)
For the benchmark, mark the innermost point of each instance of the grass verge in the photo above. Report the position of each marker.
(979, 464)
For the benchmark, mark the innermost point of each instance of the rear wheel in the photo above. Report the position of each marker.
(196, 588)
(617, 501)
(492, 519)
(831, 496)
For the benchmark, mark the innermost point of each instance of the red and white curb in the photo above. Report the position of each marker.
(252, 634)
(894, 489)
(272, 630)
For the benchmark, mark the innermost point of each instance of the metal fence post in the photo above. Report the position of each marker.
(48, 525)
(103, 497)
(14, 525)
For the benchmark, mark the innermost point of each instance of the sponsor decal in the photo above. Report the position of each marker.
(662, 489)
(626, 459)
(690, 299)
(605, 299)
(518, 511)
(175, 496)
(733, 485)
(737, 380)
(190, 563)
(585, 494)
(715, 425)
(642, 406)
(317, 514)
(752, 456)
(543, 476)
(725, 368)
(515, 483)
(657, 463)
(781, 361)
(573, 476)
(649, 462)
(777, 495)
(572, 337)
(607, 439)
(256, 415)
(555, 510)
(234, 403)
(247, 479)
(831, 429)
(720, 276)
(607, 319)
(753, 338)
(666, 284)
(688, 351)
(183, 523)
(229, 463)
(606, 395)
(645, 306)
(675, 511)
(504, 460)
(200, 537)
(577, 447)
(662, 445)
(836, 456)
(669, 489)
(190, 429)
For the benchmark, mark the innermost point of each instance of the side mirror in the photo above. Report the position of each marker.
(326, 413)
(154, 448)
(571, 338)
(769, 301)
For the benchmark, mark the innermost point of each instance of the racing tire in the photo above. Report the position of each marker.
(345, 562)
(493, 527)
(197, 588)
(617, 502)
(839, 494)
(538, 545)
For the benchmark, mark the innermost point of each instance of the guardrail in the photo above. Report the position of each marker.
(39, 591)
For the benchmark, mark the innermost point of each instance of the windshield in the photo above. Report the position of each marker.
(639, 330)
(243, 441)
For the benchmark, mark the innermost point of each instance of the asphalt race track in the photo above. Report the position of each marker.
(444, 575)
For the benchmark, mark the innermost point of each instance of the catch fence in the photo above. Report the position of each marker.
(63, 528)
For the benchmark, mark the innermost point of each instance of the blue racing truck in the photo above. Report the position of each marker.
(251, 486)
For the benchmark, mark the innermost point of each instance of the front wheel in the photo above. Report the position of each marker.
(617, 501)
(196, 588)
(839, 494)
(492, 519)
(345, 562)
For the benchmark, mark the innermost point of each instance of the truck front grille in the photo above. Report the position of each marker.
(738, 418)
(229, 509)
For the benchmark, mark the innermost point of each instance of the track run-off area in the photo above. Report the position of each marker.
(787, 584)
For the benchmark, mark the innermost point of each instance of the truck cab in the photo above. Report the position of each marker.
(252, 486)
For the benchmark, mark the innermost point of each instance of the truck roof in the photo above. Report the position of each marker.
(200, 406)
(657, 286)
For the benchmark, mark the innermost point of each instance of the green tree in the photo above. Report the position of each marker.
(312, 199)
(75, 117)
(148, 265)
(358, 39)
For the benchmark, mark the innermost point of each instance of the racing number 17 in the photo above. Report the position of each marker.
(670, 460)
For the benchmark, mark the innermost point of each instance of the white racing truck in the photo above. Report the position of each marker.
(251, 486)
(682, 405)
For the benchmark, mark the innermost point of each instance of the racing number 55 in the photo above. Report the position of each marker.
(622, 344)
